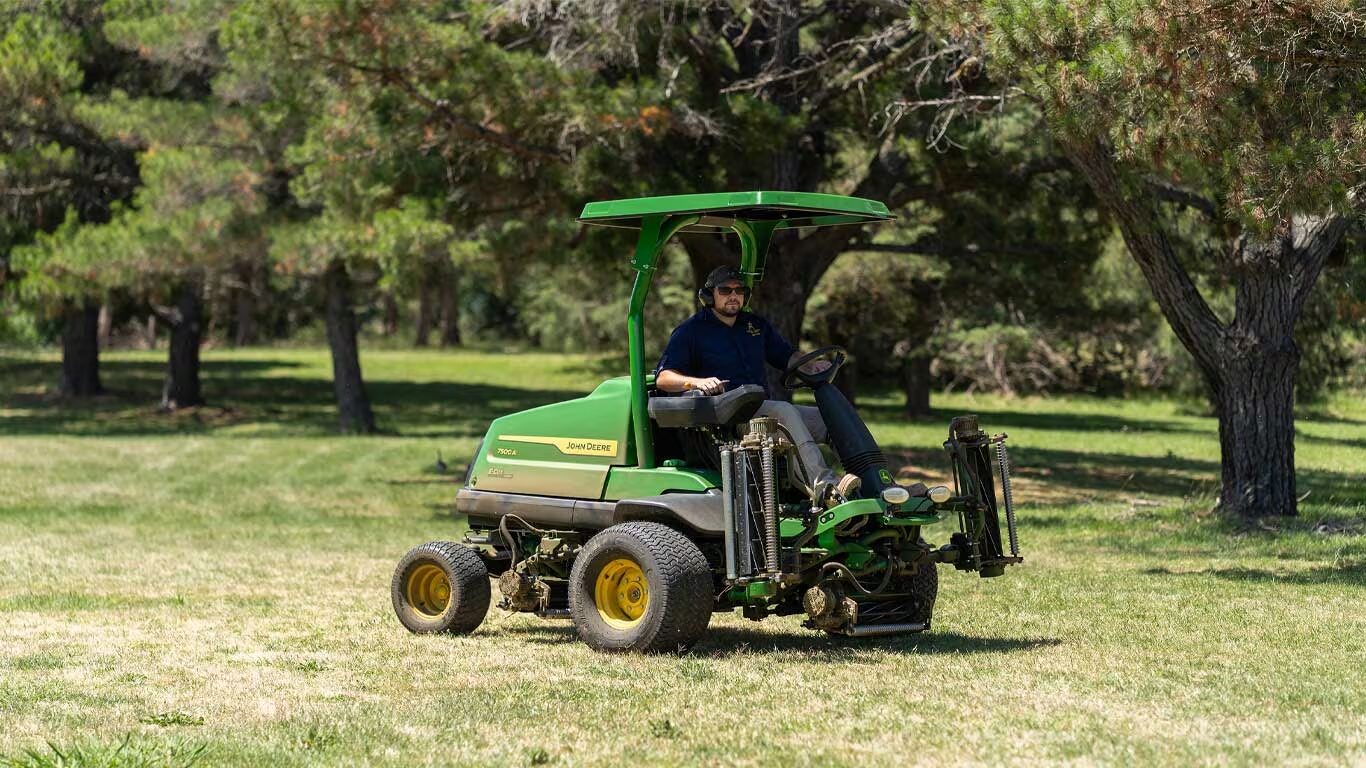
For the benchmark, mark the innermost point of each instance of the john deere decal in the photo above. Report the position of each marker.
(569, 446)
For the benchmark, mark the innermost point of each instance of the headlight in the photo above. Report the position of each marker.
(940, 494)
(895, 494)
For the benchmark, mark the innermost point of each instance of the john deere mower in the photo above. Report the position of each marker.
(637, 514)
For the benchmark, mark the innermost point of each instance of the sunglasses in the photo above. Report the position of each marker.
(727, 290)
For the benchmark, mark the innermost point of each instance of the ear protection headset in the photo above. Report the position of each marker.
(723, 274)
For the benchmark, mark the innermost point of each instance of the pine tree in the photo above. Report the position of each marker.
(1240, 123)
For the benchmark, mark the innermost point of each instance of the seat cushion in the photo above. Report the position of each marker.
(693, 410)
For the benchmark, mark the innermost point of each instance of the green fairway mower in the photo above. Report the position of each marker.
(637, 514)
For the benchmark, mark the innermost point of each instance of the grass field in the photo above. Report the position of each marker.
(212, 586)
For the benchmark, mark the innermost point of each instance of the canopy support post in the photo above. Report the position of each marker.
(754, 240)
(655, 231)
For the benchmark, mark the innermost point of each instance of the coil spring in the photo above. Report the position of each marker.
(770, 501)
(1003, 462)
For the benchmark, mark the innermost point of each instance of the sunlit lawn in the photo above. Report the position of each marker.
(212, 585)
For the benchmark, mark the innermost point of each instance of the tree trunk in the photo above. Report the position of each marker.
(707, 252)
(247, 331)
(424, 315)
(390, 303)
(353, 406)
(793, 268)
(450, 310)
(106, 325)
(915, 379)
(1255, 402)
(80, 350)
(1249, 364)
(181, 388)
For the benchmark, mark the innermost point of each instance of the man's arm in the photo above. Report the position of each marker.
(781, 355)
(670, 380)
(679, 354)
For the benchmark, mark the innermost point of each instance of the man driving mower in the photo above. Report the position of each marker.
(723, 346)
(643, 507)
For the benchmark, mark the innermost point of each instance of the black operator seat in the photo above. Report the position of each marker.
(697, 410)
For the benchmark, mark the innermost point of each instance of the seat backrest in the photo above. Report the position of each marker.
(695, 410)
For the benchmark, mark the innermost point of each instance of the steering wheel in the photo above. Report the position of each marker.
(794, 377)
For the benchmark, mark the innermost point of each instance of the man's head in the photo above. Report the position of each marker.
(725, 287)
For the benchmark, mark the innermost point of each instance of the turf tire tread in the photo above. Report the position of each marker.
(680, 594)
(470, 590)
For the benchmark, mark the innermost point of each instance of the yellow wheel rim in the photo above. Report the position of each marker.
(428, 590)
(621, 593)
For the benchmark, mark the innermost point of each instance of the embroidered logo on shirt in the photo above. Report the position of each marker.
(751, 329)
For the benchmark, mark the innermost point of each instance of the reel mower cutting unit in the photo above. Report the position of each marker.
(637, 514)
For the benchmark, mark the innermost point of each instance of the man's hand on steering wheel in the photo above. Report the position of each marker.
(814, 368)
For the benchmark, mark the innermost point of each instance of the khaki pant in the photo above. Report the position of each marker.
(807, 428)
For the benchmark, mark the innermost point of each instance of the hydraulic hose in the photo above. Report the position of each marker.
(509, 540)
(852, 579)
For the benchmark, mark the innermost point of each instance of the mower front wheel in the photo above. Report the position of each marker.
(640, 587)
(441, 586)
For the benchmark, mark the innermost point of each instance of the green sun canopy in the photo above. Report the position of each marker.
(752, 216)
(717, 212)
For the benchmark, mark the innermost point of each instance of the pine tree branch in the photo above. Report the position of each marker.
(441, 108)
(1314, 238)
(1165, 190)
(1181, 302)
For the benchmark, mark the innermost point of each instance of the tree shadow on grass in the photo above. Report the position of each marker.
(728, 642)
(1319, 415)
(1045, 420)
(1347, 574)
(1345, 442)
(1062, 476)
(249, 393)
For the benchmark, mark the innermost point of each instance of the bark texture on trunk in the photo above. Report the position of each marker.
(353, 405)
(915, 381)
(246, 331)
(425, 311)
(1256, 408)
(450, 311)
(1248, 364)
(783, 302)
(80, 350)
(391, 312)
(106, 325)
(181, 388)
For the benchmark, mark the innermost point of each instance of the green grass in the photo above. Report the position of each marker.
(212, 587)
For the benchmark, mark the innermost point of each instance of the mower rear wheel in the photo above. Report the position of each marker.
(441, 586)
(640, 587)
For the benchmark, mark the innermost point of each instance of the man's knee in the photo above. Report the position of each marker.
(791, 415)
(811, 417)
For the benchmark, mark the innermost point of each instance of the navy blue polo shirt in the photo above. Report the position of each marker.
(705, 346)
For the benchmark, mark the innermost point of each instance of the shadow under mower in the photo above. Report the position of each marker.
(637, 515)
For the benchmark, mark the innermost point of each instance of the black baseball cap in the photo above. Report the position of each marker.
(723, 274)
